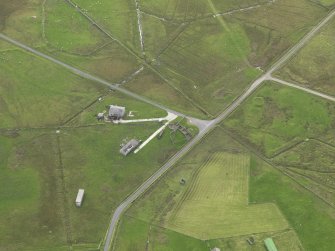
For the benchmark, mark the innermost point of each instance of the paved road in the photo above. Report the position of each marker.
(89, 76)
(197, 122)
(305, 89)
(206, 129)
(205, 126)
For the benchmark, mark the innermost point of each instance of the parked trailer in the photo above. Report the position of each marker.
(80, 197)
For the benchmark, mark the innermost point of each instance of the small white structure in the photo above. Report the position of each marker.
(216, 249)
(100, 116)
(80, 197)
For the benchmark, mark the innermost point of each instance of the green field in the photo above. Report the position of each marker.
(31, 98)
(310, 217)
(41, 190)
(212, 60)
(159, 238)
(313, 66)
(275, 118)
(196, 63)
(52, 144)
(219, 192)
(285, 240)
(267, 170)
(31, 209)
(219, 202)
(311, 155)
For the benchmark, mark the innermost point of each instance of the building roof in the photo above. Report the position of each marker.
(129, 147)
(270, 245)
(116, 111)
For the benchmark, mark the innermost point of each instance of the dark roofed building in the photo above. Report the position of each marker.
(116, 112)
(129, 147)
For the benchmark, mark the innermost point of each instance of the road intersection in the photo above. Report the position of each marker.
(204, 126)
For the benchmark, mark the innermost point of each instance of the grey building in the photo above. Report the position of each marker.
(130, 146)
(116, 112)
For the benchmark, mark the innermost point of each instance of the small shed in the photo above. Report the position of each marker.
(116, 112)
(100, 116)
(80, 197)
(270, 245)
(130, 146)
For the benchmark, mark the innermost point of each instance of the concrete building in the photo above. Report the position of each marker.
(116, 112)
(80, 197)
(130, 146)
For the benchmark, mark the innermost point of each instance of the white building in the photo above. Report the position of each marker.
(216, 249)
(80, 197)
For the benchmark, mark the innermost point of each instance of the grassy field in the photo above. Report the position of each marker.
(167, 198)
(30, 97)
(118, 17)
(30, 199)
(313, 65)
(284, 240)
(136, 233)
(176, 10)
(67, 31)
(211, 60)
(275, 118)
(209, 64)
(22, 19)
(153, 87)
(206, 62)
(54, 27)
(42, 171)
(219, 192)
(310, 155)
(310, 217)
(91, 160)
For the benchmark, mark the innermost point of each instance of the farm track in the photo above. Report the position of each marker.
(63, 193)
(209, 126)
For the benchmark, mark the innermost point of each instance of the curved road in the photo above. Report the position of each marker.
(204, 126)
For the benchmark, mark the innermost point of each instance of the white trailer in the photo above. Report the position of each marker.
(80, 197)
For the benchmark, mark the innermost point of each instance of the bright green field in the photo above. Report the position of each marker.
(275, 117)
(219, 192)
